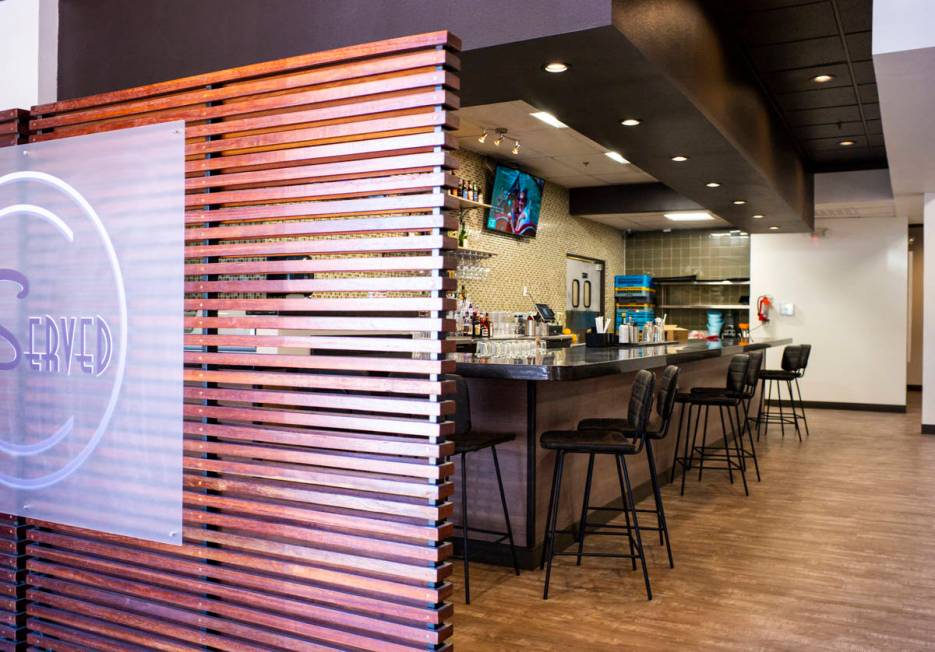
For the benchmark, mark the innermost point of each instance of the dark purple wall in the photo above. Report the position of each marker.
(110, 44)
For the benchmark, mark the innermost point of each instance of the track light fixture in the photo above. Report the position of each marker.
(483, 137)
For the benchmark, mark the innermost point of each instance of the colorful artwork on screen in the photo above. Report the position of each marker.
(515, 202)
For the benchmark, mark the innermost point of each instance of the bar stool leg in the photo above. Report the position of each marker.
(464, 529)
(621, 463)
(690, 446)
(735, 431)
(678, 440)
(782, 417)
(553, 517)
(759, 412)
(795, 410)
(506, 512)
(802, 407)
(743, 471)
(704, 443)
(769, 408)
(584, 508)
(548, 514)
(626, 515)
(730, 466)
(746, 421)
(660, 511)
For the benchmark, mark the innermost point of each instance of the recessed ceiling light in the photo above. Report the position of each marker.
(846, 143)
(630, 122)
(774, 228)
(615, 156)
(679, 158)
(713, 184)
(740, 202)
(556, 67)
(549, 119)
(823, 78)
(758, 216)
(690, 216)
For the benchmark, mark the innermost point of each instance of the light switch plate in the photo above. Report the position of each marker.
(787, 309)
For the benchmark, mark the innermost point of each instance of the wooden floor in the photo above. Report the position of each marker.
(835, 550)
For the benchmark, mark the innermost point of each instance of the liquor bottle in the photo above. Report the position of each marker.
(473, 192)
(485, 326)
(475, 324)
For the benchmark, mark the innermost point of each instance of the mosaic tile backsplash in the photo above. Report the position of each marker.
(538, 262)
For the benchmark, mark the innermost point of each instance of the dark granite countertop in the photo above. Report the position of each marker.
(580, 362)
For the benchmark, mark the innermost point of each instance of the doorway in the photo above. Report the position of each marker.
(584, 293)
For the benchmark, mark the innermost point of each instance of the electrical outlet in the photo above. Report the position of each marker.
(525, 291)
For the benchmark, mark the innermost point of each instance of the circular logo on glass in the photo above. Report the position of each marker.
(63, 330)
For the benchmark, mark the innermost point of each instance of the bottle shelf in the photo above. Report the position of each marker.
(466, 204)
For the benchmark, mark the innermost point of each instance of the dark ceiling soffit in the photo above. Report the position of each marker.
(628, 198)
(611, 79)
(107, 45)
(683, 40)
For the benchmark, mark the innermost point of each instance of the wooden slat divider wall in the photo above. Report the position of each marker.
(317, 479)
(14, 128)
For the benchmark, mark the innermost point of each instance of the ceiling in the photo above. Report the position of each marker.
(788, 43)
(611, 77)
(652, 222)
(563, 156)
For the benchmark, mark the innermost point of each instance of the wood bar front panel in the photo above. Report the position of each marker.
(317, 479)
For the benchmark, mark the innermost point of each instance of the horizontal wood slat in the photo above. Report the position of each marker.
(316, 474)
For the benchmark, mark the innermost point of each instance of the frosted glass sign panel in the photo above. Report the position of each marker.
(91, 310)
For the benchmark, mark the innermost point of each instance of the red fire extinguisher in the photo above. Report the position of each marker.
(763, 304)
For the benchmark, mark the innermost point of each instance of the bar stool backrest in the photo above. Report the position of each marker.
(665, 396)
(792, 358)
(803, 360)
(641, 401)
(462, 416)
(753, 370)
(737, 373)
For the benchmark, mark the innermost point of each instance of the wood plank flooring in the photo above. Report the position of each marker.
(833, 550)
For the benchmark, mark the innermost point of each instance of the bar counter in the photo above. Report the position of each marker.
(553, 391)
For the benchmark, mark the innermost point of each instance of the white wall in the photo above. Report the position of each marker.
(849, 289)
(900, 25)
(928, 315)
(28, 52)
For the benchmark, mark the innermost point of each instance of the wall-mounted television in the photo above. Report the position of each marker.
(515, 202)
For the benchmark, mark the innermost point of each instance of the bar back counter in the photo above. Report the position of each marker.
(555, 391)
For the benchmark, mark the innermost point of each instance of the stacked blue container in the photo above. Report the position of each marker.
(635, 297)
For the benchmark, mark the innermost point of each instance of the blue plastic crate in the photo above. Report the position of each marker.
(633, 280)
(636, 316)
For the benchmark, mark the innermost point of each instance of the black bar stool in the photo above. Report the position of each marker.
(665, 406)
(794, 359)
(746, 401)
(603, 442)
(727, 400)
(466, 441)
